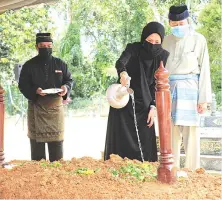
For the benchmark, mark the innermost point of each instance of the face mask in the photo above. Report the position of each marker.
(45, 52)
(180, 31)
(152, 49)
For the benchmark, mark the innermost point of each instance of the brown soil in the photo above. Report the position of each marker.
(87, 178)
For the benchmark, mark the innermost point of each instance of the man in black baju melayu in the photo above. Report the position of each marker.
(45, 111)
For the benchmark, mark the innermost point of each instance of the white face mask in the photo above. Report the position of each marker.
(180, 31)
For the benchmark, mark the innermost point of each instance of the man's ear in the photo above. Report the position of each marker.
(36, 46)
(169, 22)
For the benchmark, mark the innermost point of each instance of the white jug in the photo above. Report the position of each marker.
(118, 95)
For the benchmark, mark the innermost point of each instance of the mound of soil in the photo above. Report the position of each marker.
(87, 178)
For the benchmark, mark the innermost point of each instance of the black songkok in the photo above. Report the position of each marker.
(43, 37)
(178, 13)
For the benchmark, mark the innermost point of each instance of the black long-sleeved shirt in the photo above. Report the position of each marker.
(40, 73)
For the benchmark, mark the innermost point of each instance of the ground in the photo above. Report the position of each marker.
(88, 178)
(84, 136)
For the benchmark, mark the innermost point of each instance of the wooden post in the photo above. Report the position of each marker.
(166, 173)
(2, 112)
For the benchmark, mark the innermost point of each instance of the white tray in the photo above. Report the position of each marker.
(52, 90)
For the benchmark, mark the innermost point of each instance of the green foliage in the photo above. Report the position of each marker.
(54, 164)
(70, 49)
(18, 29)
(210, 20)
(4, 50)
(108, 26)
(132, 171)
(86, 85)
(117, 22)
(15, 102)
(80, 103)
(86, 171)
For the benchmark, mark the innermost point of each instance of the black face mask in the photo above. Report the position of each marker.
(45, 52)
(152, 49)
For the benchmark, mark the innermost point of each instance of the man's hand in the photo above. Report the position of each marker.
(64, 91)
(150, 119)
(124, 79)
(201, 108)
(39, 91)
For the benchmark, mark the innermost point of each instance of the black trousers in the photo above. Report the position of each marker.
(38, 150)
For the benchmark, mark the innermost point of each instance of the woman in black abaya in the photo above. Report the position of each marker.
(139, 61)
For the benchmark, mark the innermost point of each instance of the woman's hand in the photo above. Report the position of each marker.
(150, 119)
(124, 78)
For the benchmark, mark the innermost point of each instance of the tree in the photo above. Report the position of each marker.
(18, 29)
(107, 26)
(17, 44)
(210, 20)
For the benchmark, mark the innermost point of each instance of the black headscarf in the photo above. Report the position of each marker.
(150, 57)
(149, 53)
(153, 27)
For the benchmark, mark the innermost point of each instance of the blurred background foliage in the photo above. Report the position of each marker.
(90, 36)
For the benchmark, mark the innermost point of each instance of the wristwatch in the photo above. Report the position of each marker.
(152, 106)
